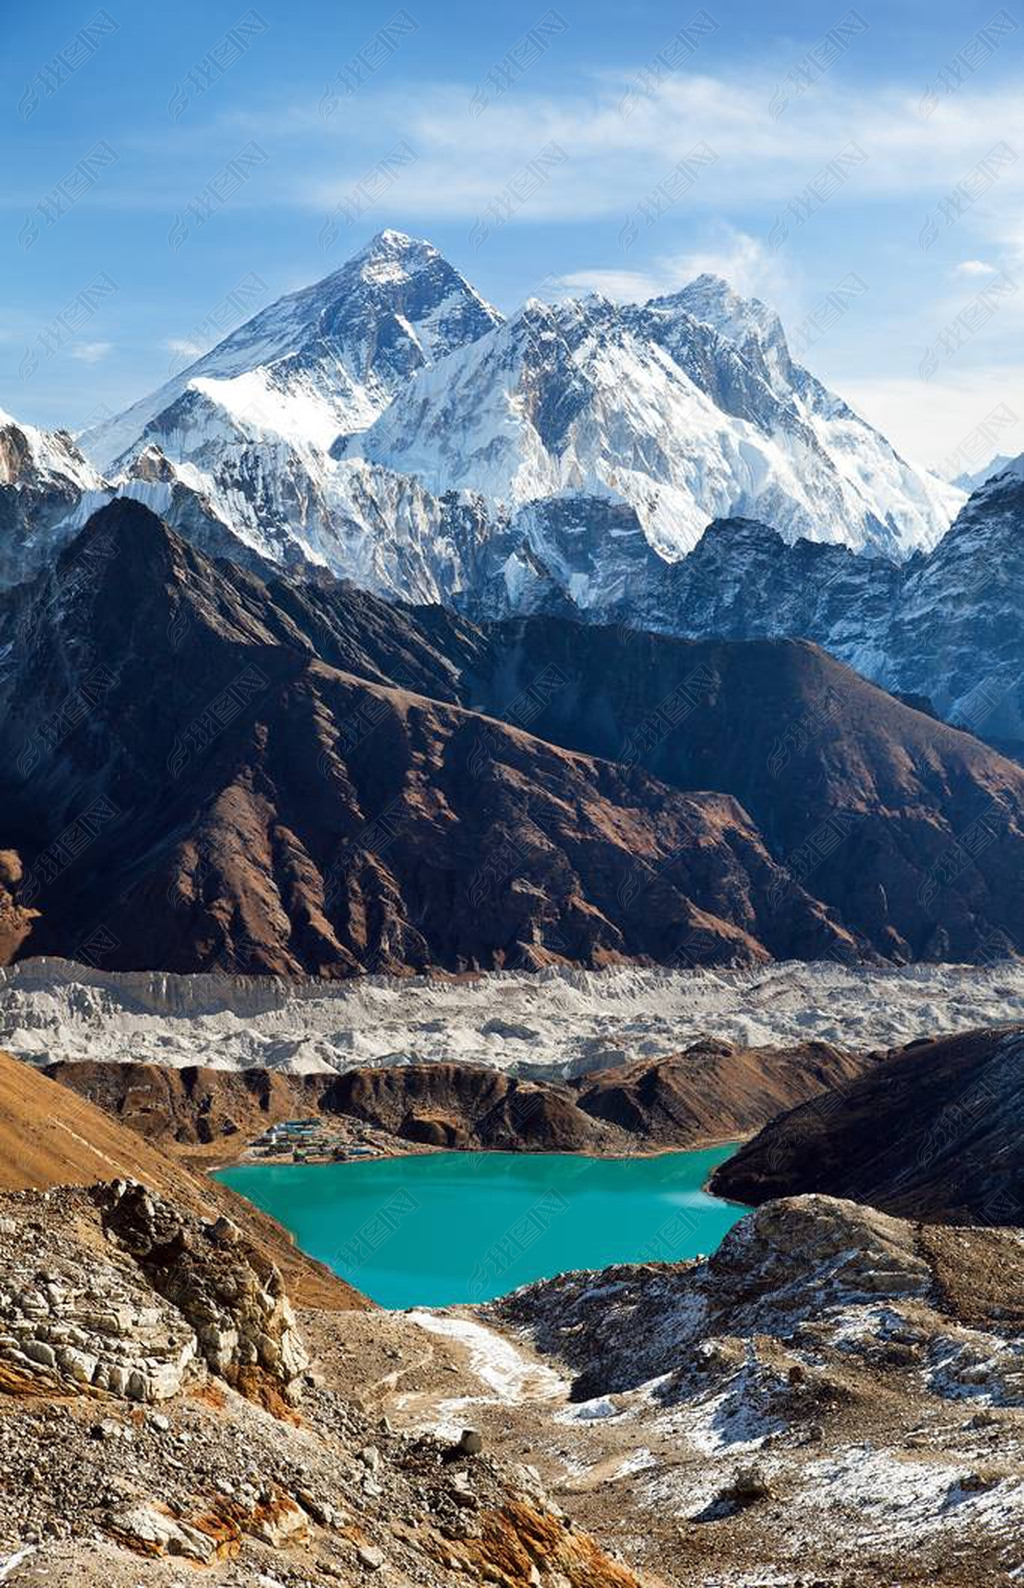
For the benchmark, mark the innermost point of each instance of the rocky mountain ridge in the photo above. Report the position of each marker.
(388, 425)
(276, 799)
(709, 1093)
(942, 626)
(335, 784)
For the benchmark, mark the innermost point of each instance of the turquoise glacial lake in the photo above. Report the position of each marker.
(451, 1227)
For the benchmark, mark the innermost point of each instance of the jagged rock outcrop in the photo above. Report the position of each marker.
(195, 1292)
(818, 1272)
(15, 919)
(230, 1294)
(97, 1326)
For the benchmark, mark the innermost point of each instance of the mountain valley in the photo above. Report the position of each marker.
(573, 733)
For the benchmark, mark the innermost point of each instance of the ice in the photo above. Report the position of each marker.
(555, 1023)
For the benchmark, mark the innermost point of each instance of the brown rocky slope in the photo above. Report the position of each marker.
(288, 778)
(935, 1131)
(51, 1137)
(711, 1092)
(908, 828)
(226, 785)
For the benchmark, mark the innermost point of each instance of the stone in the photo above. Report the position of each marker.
(77, 1364)
(280, 1523)
(225, 1231)
(228, 1291)
(39, 1351)
(748, 1485)
(155, 1532)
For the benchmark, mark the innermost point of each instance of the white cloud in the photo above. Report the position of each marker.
(932, 421)
(182, 346)
(615, 161)
(974, 267)
(90, 352)
(744, 262)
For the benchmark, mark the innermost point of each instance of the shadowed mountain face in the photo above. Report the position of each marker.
(910, 831)
(191, 786)
(945, 625)
(933, 1132)
(204, 770)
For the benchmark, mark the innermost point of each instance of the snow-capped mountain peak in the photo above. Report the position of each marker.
(713, 301)
(47, 491)
(972, 481)
(48, 454)
(327, 359)
(685, 408)
(388, 423)
(747, 324)
(392, 255)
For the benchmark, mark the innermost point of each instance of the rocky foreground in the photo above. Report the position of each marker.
(835, 1398)
(150, 1368)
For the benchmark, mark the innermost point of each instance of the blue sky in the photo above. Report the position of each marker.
(206, 146)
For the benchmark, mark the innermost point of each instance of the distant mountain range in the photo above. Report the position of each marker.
(971, 481)
(666, 466)
(389, 425)
(203, 770)
(945, 627)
